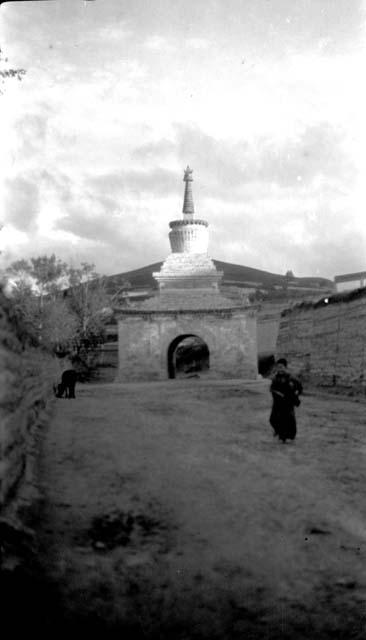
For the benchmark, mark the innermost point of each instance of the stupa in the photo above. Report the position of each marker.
(188, 266)
(188, 304)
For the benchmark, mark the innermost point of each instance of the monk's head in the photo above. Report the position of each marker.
(281, 364)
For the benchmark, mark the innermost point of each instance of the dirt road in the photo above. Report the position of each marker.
(172, 512)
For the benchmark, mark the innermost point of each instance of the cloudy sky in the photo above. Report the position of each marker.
(265, 99)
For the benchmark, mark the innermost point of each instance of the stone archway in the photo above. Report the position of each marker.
(187, 354)
(147, 341)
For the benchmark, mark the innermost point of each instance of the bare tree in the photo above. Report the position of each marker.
(64, 308)
(7, 72)
(88, 300)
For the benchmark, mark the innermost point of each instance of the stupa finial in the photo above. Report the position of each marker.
(188, 174)
(188, 206)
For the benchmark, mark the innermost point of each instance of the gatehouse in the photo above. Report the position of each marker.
(188, 327)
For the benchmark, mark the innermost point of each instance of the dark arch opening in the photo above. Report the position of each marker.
(265, 365)
(188, 355)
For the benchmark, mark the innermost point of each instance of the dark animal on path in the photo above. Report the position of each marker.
(67, 385)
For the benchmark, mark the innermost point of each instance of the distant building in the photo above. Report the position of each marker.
(349, 281)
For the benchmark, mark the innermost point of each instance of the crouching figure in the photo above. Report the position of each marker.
(66, 388)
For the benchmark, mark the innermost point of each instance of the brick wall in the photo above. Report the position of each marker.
(326, 342)
(26, 378)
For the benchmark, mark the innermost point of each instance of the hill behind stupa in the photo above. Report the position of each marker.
(269, 285)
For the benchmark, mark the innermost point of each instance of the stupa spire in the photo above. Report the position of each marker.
(188, 266)
(188, 206)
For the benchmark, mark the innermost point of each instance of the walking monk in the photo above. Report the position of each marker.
(285, 390)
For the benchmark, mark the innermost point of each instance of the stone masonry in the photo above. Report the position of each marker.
(188, 304)
(145, 338)
(326, 342)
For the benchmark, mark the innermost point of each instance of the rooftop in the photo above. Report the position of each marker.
(188, 300)
(349, 277)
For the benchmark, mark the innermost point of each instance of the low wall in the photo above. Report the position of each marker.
(325, 342)
(26, 377)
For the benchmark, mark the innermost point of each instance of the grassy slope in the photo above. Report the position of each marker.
(233, 274)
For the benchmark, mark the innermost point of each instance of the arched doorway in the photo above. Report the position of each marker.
(188, 355)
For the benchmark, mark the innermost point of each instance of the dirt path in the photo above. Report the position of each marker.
(172, 512)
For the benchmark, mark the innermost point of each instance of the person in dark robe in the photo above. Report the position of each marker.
(285, 390)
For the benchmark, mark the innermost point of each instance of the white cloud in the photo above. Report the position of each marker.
(160, 43)
(95, 139)
(197, 43)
